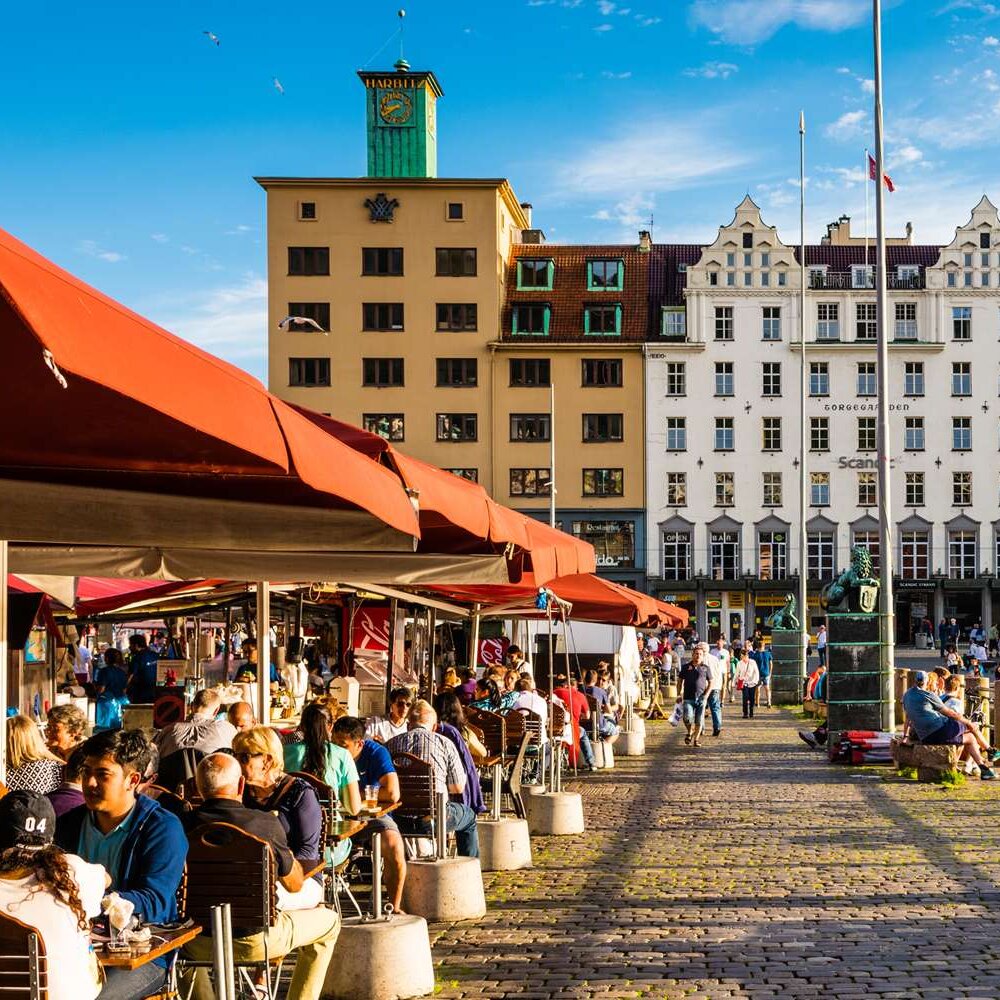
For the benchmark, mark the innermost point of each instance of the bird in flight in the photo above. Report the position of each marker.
(289, 321)
(277, 85)
(212, 37)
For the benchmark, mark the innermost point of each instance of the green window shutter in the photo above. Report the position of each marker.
(519, 285)
(618, 319)
(545, 321)
(551, 270)
(590, 275)
(621, 275)
(586, 320)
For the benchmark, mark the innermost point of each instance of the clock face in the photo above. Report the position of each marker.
(395, 107)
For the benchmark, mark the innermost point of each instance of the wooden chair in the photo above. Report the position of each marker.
(494, 729)
(514, 726)
(510, 778)
(419, 805)
(23, 964)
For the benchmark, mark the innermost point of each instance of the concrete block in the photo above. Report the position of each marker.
(504, 845)
(556, 814)
(448, 890)
(631, 744)
(604, 756)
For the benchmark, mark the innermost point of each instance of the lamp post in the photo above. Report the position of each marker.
(803, 482)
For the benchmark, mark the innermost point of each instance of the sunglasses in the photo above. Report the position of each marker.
(244, 757)
(403, 701)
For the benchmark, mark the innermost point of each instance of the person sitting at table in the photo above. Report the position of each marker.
(375, 768)
(240, 715)
(65, 729)
(202, 731)
(140, 844)
(467, 689)
(452, 725)
(449, 681)
(578, 709)
(57, 894)
(267, 787)
(606, 682)
(310, 932)
(489, 697)
(384, 728)
(69, 794)
(607, 730)
(31, 764)
(449, 776)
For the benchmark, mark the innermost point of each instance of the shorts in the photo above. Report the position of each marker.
(384, 824)
(951, 732)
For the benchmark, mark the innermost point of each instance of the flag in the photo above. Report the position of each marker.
(873, 174)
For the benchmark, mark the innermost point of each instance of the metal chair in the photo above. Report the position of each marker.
(23, 964)
(419, 802)
(510, 780)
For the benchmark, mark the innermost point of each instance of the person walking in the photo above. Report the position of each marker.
(762, 657)
(747, 679)
(821, 645)
(717, 671)
(942, 631)
(694, 686)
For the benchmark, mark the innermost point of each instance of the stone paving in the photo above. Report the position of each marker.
(746, 868)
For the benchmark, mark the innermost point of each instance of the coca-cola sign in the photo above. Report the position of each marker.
(371, 630)
(492, 651)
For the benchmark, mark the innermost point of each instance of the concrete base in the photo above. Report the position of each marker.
(639, 725)
(504, 845)
(631, 744)
(604, 755)
(381, 960)
(445, 890)
(554, 814)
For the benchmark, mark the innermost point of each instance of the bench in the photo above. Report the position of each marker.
(817, 709)
(930, 761)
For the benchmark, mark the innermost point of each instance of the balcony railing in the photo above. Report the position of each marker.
(834, 280)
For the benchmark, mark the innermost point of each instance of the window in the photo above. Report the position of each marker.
(382, 372)
(455, 211)
(455, 262)
(308, 372)
(382, 316)
(457, 427)
(819, 489)
(676, 378)
(603, 482)
(730, 279)
(772, 323)
(530, 427)
(472, 475)
(748, 241)
(821, 550)
(723, 322)
(318, 312)
(725, 489)
(724, 552)
(967, 259)
(308, 260)
(984, 277)
(862, 276)
(730, 260)
(771, 434)
(914, 489)
(961, 433)
(600, 373)
(384, 261)
(984, 242)
(961, 489)
(819, 433)
(605, 275)
(913, 378)
(772, 489)
(961, 555)
(307, 211)
(457, 372)
(952, 279)
(906, 321)
(867, 434)
(782, 279)
(819, 378)
(457, 315)
(765, 260)
(961, 322)
(747, 278)
(915, 555)
(748, 260)
(866, 324)
(713, 278)
(908, 276)
(531, 318)
(827, 321)
(534, 273)
(676, 434)
(867, 489)
(967, 279)
(867, 382)
(771, 383)
(913, 434)
(961, 378)
(870, 541)
(676, 555)
(723, 378)
(765, 279)
(530, 482)
(676, 489)
(724, 434)
(602, 319)
(674, 324)
(772, 549)
(529, 371)
(613, 541)
(601, 427)
(390, 426)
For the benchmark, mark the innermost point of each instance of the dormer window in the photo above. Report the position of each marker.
(748, 241)
(535, 273)
(531, 319)
(862, 276)
(605, 275)
(674, 324)
(908, 275)
(603, 320)
(984, 241)
(817, 276)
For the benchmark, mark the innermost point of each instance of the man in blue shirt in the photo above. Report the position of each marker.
(762, 657)
(375, 767)
(141, 687)
(935, 724)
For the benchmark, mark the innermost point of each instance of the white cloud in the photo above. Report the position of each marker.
(713, 70)
(747, 22)
(609, 75)
(630, 213)
(849, 125)
(844, 70)
(94, 249)
(604, 27)
(540, 3)
(242, 230)
(906, 155)
(991, 41)
(645, 21)
(606, 7)
(159, 237)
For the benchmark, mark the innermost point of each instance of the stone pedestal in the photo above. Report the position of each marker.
(381, 960)
(631, 744)
(604, 755)
(854, 689)
(555, 814)
(786, 676)
(639, 725)
(448, 890)
(504, 844)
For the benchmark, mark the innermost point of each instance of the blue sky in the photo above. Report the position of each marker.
(129, 140)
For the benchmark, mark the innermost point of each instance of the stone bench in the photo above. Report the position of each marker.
(814, 708)
(930, 761)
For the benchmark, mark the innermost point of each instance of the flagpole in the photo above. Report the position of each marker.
(803, 489)
(867, 172)
(888, 628)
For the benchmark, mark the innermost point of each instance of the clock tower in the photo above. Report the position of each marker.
(401, 121)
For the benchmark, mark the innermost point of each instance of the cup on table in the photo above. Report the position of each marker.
(371, 797)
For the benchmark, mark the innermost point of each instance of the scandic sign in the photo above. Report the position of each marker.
(844, 462)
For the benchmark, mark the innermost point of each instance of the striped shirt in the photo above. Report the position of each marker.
(437, 751)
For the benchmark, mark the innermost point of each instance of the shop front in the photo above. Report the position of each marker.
(683, 599)
(963, 603)
(725, 615)
(914, 600)
(766, 602)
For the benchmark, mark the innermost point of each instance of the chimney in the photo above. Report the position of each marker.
(909, 232)
(535, 236)
(645, 241)
(526, 208)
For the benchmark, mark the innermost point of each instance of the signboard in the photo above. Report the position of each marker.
(713, 604)
(492, 652)
(371, 630)
(37, 648)
(737, 599)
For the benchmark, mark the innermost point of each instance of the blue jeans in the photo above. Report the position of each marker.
(462, 820)
(123, 984)
(715, 707)
(586, 750)
(694, 712)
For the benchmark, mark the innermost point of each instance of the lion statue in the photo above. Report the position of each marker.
(855, 589)
(784, 617)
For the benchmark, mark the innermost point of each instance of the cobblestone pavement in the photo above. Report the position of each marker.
(746, 868)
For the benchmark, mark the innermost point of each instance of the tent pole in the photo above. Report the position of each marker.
(393, 612)
(4, 655)
(432, 679)
(227, 654)
(569, 679)
(553, 743)
(264, 650)
(474, 638)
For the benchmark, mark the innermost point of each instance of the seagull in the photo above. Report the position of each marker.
(277, 85)
(288, 321)
(212, 37)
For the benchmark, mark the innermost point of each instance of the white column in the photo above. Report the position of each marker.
(264, 651)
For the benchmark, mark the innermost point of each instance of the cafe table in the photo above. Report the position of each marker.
(380, 810)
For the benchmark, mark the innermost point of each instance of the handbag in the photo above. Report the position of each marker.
(739, 683)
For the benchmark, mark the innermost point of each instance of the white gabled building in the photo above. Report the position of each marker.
(722, 420)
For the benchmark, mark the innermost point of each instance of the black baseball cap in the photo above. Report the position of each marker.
(27, 819)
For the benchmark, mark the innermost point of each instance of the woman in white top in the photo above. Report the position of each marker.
(747, 678)
(55, 893)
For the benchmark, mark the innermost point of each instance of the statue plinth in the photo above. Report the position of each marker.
(786, 678)
(854, 688)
